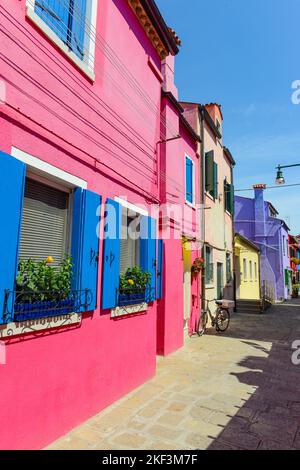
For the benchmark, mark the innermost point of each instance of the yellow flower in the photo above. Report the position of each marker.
(131, 282)
(49, 260)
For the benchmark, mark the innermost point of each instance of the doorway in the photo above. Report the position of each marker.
(187, 281)
(219, 281)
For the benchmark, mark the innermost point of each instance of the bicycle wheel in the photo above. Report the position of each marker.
(202, 323)
(222, 319)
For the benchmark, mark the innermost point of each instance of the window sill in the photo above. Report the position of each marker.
(210, 196)
(59, 43)
(12, 329)
(128, 310)
(190, 204)
(209, 286)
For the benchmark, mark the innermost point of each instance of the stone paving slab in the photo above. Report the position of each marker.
(235, 391)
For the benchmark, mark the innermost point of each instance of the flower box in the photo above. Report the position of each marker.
(131, 299)
(39, 309)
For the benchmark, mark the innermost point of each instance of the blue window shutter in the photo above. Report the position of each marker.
(77, 27)
(85, 245)
(148, 252)
(189, 180)
(160, 269)
(55, 13)
(12, 174)
(111, 254)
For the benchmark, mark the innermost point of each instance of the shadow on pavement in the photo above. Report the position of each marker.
(270, 417)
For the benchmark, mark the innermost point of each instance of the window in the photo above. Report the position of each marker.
(209, 267)
(39, 216)
(45, 222)
(228, 268)
(189, 180)
(218, 125)
(250, 271)
(70, 24)
(255, 271)
(228, 197)
(211, 175)
(130, 240)
(245, 269)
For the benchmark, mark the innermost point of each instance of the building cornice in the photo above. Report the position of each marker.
(162, 38)
(180, 109)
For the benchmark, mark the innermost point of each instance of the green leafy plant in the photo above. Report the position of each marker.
(42, 282)
(134, 280)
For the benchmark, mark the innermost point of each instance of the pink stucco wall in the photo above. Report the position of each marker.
(182, 222)
(53, 382)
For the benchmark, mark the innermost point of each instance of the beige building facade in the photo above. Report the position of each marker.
(217, 199)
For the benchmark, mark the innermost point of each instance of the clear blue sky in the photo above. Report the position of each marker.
(245, 55)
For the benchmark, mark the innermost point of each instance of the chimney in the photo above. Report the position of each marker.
(259, 213)
(168, 72)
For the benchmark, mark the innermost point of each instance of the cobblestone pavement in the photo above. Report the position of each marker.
(235, 391)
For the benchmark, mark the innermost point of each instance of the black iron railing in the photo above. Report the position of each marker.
(21, 306)
(126, 298)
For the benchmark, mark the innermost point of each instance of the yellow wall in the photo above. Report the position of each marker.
(247, 288)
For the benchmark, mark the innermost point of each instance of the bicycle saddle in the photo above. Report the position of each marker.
(219, 302)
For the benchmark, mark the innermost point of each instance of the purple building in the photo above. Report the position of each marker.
(257, 220)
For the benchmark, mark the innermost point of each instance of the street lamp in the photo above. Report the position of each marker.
(280, 178)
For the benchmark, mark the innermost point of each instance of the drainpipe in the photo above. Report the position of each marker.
(233, 246)
(202, 200)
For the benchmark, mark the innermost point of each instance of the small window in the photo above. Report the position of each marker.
(250, 271)
(283, 244)
(130, 240)
(209, 267)
(255, 271)
(70, 25)
(45, 223)
(245, 269)
(189, 181)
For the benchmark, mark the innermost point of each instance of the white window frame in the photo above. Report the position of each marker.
(46, 170)
(191, 204)
(89, 40)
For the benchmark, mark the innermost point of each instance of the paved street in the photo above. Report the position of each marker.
(236, 391)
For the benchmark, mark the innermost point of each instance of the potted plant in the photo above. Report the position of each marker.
(295, 291)
(43, 290)
(133, 285)
(197, 266)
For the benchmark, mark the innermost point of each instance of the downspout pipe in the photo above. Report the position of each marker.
(202, 199)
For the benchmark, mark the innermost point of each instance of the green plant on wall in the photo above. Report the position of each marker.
(42, 282)
(134, 280)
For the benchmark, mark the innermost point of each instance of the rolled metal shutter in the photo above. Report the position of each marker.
(44, 223)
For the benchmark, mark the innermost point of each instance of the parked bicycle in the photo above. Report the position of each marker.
(220, 320)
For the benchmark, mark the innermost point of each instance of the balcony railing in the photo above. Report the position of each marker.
(21, 306)
(134, 296)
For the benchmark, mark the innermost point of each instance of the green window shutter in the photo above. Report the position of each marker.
(209, 172)
(286, 275)
(215, 180)
(231, 192)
